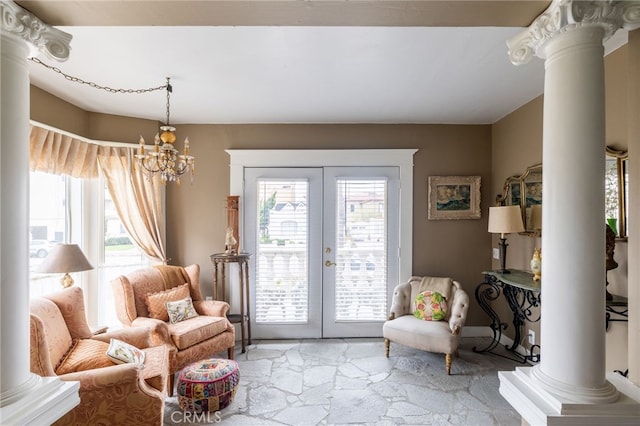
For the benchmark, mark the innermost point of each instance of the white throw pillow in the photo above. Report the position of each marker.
(180, 310)
(121, 352)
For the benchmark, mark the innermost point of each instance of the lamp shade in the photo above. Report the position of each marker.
(64, 258)
(505, 220)
(536, 217)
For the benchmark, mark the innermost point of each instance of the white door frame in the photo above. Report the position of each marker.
(402, 158)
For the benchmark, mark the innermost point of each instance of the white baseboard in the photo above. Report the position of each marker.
(485, 331)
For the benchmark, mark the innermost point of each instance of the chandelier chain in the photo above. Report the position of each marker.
(164, 159)
(105, 88)
(169, 90)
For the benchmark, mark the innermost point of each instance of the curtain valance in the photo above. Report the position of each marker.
(59, 154)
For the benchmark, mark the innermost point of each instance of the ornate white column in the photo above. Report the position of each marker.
(570, 381)
(21, 32)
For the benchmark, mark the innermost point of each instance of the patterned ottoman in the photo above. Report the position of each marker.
(207, 385)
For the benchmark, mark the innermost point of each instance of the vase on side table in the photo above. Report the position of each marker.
(536, 264)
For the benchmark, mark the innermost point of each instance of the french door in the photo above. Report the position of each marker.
(325, 245)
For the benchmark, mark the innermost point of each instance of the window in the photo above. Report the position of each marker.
(70, 210)
(120, 256)
(47, 226)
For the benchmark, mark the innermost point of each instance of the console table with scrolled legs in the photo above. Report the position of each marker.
(522, 294)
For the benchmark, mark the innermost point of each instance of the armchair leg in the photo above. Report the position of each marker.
(387, 344)
(231, 352)
(447, 361)
(170, 383)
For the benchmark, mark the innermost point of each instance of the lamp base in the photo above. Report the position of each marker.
(503, 256)
(66, 281)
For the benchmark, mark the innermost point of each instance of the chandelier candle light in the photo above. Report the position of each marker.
(164, 158)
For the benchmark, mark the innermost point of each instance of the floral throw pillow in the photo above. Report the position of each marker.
(430, 306)
(121, 352)
(180, 310)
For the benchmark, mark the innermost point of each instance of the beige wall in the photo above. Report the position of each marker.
(48, 109)
(196, 212)
(517, 144)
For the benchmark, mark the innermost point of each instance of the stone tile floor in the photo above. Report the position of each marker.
(350, 381)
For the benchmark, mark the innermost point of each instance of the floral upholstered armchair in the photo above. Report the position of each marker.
(167, 301)
(427, 313)
(130, 393)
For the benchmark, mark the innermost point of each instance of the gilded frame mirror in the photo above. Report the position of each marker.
(616, 190)
(525, 190)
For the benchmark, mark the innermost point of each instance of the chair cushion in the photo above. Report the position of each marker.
(85, 354)
(432, 336)
(430, 306)
(195, 330)
(156, 301)
(180, 310)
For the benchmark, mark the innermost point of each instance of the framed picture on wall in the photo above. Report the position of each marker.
(454, 197)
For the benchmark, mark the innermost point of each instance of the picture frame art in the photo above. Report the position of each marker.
(454, 197)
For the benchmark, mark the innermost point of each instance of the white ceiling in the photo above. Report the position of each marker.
(284, 74)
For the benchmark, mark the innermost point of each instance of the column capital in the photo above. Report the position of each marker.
(17, 22)
(564, 15)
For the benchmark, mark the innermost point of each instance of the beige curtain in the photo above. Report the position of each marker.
(58, 154)
(138, 200)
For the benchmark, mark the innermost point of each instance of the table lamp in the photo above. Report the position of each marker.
(505, 220)
(535, 219)
(65, 258)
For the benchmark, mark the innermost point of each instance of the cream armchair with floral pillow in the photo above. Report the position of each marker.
(192, 328)
(110, 393)
(427, 313)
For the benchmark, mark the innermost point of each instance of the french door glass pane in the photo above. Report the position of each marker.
(282, 251)
(361, 254)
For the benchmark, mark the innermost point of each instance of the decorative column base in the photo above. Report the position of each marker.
(538, 406)
(39, 401)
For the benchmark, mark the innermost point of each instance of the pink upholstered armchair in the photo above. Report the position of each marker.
(435, 334)
(140, 298)
(119, 394)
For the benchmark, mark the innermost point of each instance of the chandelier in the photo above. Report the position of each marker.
(164, 158)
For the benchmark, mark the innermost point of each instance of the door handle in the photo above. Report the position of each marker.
(329, 263)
